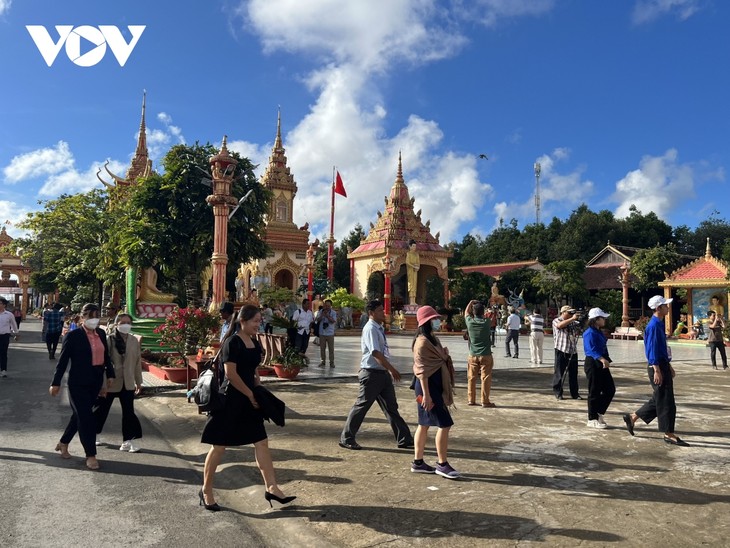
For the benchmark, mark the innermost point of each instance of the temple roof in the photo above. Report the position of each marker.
(706, 271)
(495, 270)
(398, 225)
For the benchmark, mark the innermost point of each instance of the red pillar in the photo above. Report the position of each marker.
(222, 167)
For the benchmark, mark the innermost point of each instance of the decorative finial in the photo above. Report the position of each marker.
(277, 141)
(708, 253)
(224, 143)
(400, 167)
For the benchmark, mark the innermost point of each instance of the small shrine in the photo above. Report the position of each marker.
(288, 244)
(13, 264)
(399, 255)
(706, 282)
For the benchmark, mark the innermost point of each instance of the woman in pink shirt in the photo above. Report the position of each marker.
(86, 351)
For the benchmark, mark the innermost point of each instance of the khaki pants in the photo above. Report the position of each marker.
(327, 342)
(479, 365)
(536, 340)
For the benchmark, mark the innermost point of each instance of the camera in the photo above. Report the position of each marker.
(325, 325)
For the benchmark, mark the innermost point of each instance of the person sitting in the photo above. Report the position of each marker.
(682, 331)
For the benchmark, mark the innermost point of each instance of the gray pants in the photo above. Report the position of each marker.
(376, 385)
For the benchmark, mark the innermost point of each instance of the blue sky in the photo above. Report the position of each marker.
(622, 102)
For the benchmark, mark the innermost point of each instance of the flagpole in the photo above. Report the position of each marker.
(331, 240)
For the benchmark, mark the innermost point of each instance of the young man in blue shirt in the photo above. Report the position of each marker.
(661, 377)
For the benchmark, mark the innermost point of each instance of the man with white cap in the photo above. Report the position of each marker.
(661, 377)
(566, 330)
(601, 387)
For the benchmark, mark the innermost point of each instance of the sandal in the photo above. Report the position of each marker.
(63, 449)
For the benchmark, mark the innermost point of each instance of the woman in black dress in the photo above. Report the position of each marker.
(240, 422)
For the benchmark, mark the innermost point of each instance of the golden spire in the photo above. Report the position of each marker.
(277, 141)
(141, 165)
(399, 178)
(708, 253)
(142, 138)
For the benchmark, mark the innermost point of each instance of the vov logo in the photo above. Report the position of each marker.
(71, 36)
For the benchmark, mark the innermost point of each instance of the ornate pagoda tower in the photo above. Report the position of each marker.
(141, 165)
(383, 252)
(287, 259)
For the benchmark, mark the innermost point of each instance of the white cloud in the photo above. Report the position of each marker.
(73, 181)
(13, 212)
(558, 191)
(160, 140)
(354, 45)
(37, 163)
(489, 12)
(646, 11)
(659, 185)
(368, 34)
(5, 5)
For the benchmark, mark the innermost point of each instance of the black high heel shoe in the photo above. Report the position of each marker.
(212, 507)
(271, 496)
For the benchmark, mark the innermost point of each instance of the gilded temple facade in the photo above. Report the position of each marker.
(288, 243)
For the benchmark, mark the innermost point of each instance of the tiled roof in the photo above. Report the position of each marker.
(497, 269)
(701, 271)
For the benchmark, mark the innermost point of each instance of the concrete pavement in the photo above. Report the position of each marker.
(532, 470)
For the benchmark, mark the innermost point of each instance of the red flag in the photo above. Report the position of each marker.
(339, 187)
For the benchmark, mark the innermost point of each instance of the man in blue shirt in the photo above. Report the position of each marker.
(376, 377)
(661, 377)
(601, 387)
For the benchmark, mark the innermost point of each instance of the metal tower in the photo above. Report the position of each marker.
(537, 192)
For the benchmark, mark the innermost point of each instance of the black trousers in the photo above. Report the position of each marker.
(82, 400)
(4, 343)
(512, 335)
(131, 427)
(714, 347)
(302, 342)
(376, 385)
(52, 342)
(661, 405)
(563, 361)
(269, 328)
(601, 387)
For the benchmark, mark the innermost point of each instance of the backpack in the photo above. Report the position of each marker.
(208, 393)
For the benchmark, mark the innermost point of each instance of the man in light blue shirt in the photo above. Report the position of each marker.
(327, 321)
(376, 378)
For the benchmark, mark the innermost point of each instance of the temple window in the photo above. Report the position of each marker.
(282, 211)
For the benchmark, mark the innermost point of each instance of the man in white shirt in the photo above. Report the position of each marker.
(304, 318)
(537, 335)
(8, 327)
(513, 333)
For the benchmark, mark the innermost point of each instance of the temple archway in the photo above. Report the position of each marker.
(284, 278)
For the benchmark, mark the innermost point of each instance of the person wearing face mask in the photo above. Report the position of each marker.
(8, 327)
(126, 356)
(87, 353)
(434, 385)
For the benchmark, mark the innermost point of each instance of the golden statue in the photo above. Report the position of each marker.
(716, 306)
(148, 292)
(413, 264)
(240, 284)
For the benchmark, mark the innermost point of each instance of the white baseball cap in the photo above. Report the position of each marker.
(657, 300)
(597, 313)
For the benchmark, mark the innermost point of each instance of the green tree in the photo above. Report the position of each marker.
(465, 287)
(167, 220)
(643, 231)
(650, 266)
(64, 245)
(562, 280)
(520, 280)
(584, 234)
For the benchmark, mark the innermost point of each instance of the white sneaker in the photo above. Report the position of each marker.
(134, 448)
(600, 419)
(98, 442)
(3, 374)
(125, 445)
(595, 424)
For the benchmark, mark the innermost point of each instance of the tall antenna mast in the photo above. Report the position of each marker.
(537, 192)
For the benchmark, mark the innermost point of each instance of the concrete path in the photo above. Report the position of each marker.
(532, 470)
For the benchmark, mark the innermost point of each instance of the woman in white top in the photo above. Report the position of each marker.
(125, 353)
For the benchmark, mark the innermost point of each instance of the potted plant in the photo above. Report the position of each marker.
(185, 330)
(340, 298)
(288, 364)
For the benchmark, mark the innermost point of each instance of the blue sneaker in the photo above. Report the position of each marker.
(445, 470)
(422, 468)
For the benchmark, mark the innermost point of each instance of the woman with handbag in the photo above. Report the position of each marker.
(126, 356)
(240, 421)
(434, 384)
(86, 350)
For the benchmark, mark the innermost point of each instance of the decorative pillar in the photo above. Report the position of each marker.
(625, 299)
(222, 167)
(446, 293)
(669, 321)
(387, 272)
